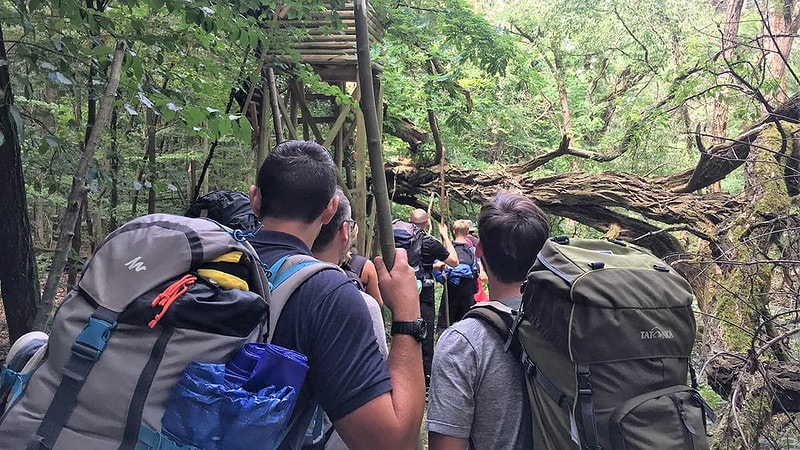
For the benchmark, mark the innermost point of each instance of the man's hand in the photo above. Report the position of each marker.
(443, 231)
(399, 288)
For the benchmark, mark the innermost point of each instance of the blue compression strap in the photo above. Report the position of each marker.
(272, 272)
(291, 271)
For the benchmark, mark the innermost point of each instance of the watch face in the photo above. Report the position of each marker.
(423, 329)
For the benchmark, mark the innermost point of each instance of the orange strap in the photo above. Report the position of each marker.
(166, 298)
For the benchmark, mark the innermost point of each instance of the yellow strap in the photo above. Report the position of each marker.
(231, 257)
(225, 280)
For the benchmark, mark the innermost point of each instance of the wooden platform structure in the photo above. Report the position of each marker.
(331, 52)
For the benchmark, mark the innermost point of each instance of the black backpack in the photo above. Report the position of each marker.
(226, 207)
(409, 237)
(605, 334)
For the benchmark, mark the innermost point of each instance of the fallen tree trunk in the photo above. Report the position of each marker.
(643, 210)
(782, 380)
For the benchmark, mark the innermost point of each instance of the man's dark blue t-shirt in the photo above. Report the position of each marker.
(326, 320)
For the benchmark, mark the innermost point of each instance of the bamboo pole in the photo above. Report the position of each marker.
(379, 188)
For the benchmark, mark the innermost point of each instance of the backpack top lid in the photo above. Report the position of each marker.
(583, 294)
(143, 253)
(404, 231)
(230, 208)
(409, 237)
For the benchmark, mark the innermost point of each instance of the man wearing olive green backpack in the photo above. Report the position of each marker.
(475, 385)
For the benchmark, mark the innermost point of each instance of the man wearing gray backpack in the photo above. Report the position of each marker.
(477, 390)
(372, 404)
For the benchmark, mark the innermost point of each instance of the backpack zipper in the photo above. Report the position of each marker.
(687, 429)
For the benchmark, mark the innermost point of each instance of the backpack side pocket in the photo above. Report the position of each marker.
(669, 418)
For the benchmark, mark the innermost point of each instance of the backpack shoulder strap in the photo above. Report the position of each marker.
(501, 318)
(357, 263)
(285, 276)
(497, 315)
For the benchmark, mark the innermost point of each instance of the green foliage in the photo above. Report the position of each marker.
(712, 398)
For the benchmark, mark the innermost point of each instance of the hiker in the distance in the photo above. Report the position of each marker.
(477, 395)
(362, 269)
(372, 404)
(461, 281)
(423, 251)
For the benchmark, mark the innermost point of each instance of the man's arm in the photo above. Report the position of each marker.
(392, 420)
(370, 279)
(452, 258)
(438, 441)
(482, 272)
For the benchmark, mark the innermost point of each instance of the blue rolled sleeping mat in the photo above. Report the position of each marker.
(244, 404)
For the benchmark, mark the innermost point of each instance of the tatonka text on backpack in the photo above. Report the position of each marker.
(604, 335)
(159, 292)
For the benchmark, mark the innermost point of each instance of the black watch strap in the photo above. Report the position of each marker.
(417, 328)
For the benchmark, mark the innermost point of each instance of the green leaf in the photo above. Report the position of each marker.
(60, 78)
(102, 51)
(17, 118)
(147, 102)
(194, 116)
(129, 109)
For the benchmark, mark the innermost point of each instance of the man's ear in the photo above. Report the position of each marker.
(479, 254)
(330, 210)
(255, 200)
(344, 231)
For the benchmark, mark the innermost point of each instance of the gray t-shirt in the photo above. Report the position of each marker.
(477, 390)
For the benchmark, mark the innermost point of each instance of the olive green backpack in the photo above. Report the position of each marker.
(605, 334)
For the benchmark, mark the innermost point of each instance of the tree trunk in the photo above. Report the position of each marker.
(78, 188)
(730, 30)
(151, 119)
(113, 149)
(779, 29)
(19, 282)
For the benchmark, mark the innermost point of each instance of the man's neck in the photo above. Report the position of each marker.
(329, 254)
(460, 239)
(499, 290)
(304, 231)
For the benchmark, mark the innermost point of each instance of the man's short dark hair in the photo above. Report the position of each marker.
(513, 230)
(329, 230)
(297, 180)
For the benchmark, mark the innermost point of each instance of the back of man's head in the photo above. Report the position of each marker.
(330, 229)
(297, 181)
(419, 217)
(460, 228)
(513, 230)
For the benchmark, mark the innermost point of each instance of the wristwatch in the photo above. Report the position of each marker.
(417, 328)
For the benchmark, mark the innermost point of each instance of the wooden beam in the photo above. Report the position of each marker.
(360, 204)
(308, 118)
(345, 111)
(273, 101)
(289, 121)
